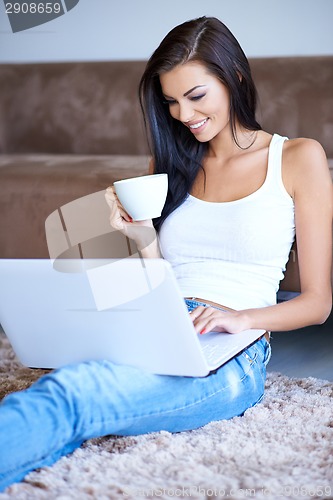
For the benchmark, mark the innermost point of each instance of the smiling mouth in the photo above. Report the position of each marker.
(198, 125)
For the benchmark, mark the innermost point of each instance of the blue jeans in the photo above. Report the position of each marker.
(81, 401)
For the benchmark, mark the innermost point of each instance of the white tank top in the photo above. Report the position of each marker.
(233, 253)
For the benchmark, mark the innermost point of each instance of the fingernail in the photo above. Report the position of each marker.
(203, 331)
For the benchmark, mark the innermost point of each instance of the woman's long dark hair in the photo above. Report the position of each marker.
(174, 149)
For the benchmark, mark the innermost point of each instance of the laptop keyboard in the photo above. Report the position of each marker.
(214, 352)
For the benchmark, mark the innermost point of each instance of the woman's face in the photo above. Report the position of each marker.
(197, 99)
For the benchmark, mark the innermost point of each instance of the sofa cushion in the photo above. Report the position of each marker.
(93, 108)
(33, 186)
(296, 97)
(82, 108)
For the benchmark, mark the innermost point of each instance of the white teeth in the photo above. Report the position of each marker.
(197, 125)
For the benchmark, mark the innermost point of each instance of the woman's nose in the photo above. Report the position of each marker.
(186, 112)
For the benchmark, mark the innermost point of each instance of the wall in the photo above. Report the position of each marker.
(131, 29)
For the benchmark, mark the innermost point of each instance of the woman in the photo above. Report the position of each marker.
(236, 197)
(237, 225)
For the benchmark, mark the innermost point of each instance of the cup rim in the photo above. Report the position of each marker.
(139, 177)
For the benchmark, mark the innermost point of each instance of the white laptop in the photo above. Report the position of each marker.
(129, 311)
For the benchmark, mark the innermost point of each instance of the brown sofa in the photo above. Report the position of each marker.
(70, 129)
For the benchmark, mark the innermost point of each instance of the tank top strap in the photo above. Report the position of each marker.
(274, 168)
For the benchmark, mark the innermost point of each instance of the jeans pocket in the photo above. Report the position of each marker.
(250, 356)
(268, 351)
(247, 360)
(264, 350)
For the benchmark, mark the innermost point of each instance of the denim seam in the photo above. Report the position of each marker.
(259, 365)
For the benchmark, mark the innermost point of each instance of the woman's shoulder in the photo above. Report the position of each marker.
(304, 162)
(304, 153)
(303, 149)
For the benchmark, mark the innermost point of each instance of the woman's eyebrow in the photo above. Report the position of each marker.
(188, 92)
(191, 90)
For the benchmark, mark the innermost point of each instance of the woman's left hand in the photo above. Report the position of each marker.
(207, 319)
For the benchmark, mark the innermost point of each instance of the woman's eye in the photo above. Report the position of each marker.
(169, 101)
(197, 97)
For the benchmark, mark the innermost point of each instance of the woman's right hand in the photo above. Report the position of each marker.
(118, 214)
(142, 232)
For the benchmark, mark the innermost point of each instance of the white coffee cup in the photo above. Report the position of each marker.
(143, 197)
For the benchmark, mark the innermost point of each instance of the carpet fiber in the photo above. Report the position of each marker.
(281, 448)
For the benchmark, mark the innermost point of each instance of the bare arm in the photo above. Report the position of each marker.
(307, 179)
(309, 182)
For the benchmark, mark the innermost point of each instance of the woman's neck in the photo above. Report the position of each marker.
(224, 146)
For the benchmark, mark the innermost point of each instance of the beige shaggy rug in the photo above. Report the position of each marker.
(283, 448)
